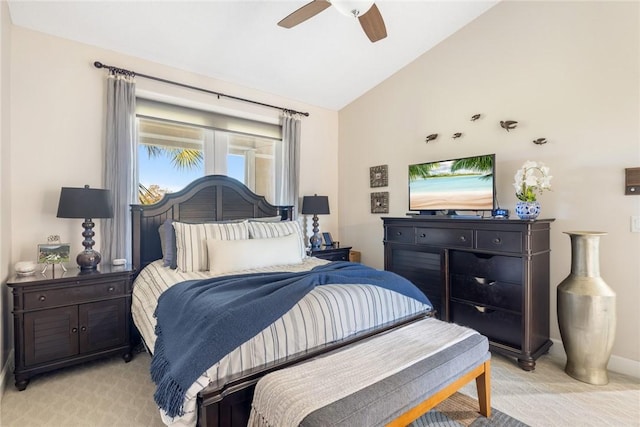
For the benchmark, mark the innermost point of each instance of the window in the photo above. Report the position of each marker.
(174, 149)
(169, 157)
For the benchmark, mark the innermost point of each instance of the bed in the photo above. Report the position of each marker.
(222, 395)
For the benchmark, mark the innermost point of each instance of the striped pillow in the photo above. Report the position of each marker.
(191, 241)
(265, 230)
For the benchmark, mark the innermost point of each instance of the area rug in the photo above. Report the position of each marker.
(462, 410)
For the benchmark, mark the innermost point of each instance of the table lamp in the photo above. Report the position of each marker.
(315, 205)
(86, 203)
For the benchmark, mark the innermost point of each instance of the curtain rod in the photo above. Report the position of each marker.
(98, 64)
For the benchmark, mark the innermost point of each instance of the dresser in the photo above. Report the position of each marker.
(64, 318)
(489, 274)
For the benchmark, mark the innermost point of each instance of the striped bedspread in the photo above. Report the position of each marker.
(284, 398)
(326, 314)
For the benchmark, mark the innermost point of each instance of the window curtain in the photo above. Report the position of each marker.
(290, 165)
(120, 165)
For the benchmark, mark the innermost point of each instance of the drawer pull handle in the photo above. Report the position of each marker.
(483, 309)
(111, 289)
(462, 238)
(42, 298)
(398, 233)
(74, 330)
(484, 281)
(83, 329)
(497, 240)
(423, 235)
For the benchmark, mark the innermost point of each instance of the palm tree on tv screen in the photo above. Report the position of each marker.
(481, 164)
(421, 171)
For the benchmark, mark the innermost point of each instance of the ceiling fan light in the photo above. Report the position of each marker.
(353, 8)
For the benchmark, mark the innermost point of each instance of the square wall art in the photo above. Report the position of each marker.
(378, 176)
(380, 202)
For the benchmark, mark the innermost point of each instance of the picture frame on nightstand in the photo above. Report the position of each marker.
(328, 240)
(53, 253)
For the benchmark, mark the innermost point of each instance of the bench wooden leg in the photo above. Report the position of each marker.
(483, 385)
(480, 373)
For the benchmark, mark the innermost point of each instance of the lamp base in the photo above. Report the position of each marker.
(88, 259)
(315, 241)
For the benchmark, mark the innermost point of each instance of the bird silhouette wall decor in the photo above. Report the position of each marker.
(475, 117)
(456, 135)
(431, 137)
(540, 141)
(508, 125)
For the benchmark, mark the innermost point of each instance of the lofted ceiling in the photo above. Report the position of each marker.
(326, 61)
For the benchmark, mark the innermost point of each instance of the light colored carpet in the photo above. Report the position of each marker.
(547, 397)
(111, 393)
(460, 410)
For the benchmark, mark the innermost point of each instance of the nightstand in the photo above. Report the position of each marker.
(332, 254)
(64, 318)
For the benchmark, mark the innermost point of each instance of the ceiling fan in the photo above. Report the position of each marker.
(366, 12)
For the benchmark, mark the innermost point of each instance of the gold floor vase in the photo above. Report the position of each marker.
(586, 311)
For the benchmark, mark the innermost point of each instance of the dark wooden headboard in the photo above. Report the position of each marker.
(210, 198)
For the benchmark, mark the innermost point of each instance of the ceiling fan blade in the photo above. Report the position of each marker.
(373, 24)
(307, 11)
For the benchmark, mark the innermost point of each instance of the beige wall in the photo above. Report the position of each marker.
(57, 114)
(5, 214)
(568, 72)
(57, 107)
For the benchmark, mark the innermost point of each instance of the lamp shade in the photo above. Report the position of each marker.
(315, 205)
(84, 203)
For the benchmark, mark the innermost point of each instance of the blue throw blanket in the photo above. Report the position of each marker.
(200, 321)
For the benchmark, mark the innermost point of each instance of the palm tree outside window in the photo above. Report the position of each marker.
(172, 154)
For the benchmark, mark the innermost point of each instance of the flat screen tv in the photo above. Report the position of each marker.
(463, 184)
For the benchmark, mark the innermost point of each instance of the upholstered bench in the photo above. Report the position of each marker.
(390, 379)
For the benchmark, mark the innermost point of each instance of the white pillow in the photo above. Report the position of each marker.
(234, 255)
(265, 230)
(191, 241)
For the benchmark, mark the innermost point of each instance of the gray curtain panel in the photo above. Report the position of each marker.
(120, 167)
(289, 188)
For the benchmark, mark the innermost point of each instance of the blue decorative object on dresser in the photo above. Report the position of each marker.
(528, 210)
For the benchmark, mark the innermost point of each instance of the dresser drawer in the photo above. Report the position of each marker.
(73, 294)
(491, 267)
(484, 292)
(499, 326)
(502, 241)
(444, 237)
(400, 234)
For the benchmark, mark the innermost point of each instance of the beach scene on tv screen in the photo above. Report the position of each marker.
(452, 184)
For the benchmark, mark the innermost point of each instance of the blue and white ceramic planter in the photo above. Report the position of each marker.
(528, 210)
